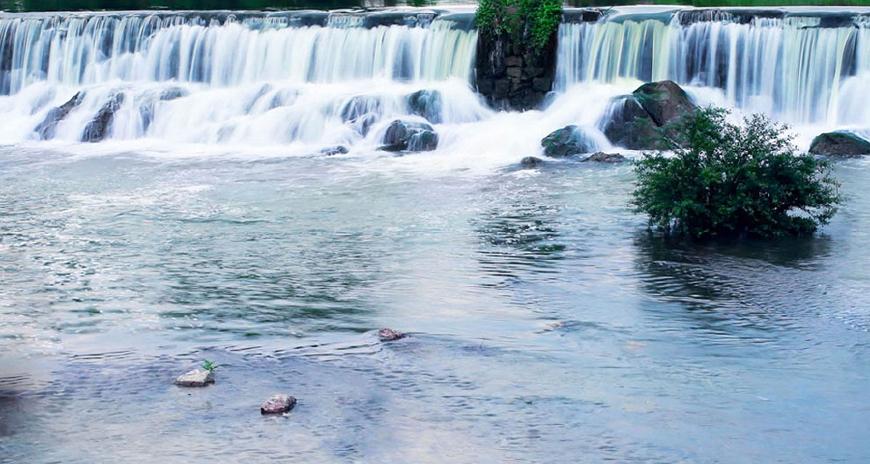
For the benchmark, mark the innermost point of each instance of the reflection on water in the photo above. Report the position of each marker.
(545, 325)
(745, 290)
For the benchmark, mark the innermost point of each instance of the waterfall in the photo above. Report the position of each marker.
(224, 77)
(800, 68)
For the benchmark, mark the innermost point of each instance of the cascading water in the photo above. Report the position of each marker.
(797, 67)
(305, 81)
(261, 79)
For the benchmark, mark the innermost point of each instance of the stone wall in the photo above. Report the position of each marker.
(512, 77)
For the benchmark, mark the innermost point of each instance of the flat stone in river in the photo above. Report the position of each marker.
(195, 378)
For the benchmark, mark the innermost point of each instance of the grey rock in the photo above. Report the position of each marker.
(567, 141)
(101, 125)
(195, 378)
(172, 93)
(531, 162)
(361, 111)
(602, 157)
(334, 150)
(426, 103)
(664, 101)
(840, 143)
(389, 335)
(409, 136)
(632, 121)
(46, 128)
(278, 404)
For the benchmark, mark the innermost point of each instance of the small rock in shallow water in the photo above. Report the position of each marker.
(531, 162)
(389, 335)
(195, 378)
(278, 404)
(602, 157)
(334, 150)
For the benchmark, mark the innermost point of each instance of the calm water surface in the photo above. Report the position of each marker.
(546, 325)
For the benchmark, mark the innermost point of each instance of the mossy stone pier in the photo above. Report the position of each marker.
(516, 51)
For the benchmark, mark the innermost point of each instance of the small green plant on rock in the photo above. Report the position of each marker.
(209, 365)
(726, 179)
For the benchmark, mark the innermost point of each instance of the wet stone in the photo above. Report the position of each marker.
(195, 378)
(334, 150)
(389, 335)
(602, 157)
(278, 404)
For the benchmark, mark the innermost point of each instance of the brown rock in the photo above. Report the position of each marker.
(278, 404)
(389, 335)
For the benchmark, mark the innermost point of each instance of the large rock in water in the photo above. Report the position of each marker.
(426, 103)
(47, 127)
(627, 124)
(567, 141)
(840, 143)
(409, 136)
(665, 101)
(632, 121)
(99, 127)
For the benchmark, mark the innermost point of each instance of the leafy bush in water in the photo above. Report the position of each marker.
(733, 180)
(538, 19)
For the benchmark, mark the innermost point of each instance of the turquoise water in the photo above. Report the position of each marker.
(546, 324)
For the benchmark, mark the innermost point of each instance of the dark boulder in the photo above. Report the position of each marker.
(389, 335)
(840, 143)
(665, 101)
(531, 162)
(278, 404)
(361, 112)
(567, 141)
(409, 136)
(426, 103)
(627, 124)
(101, 125)
(632, 121)
(46, 128)
(601, 157)
(334, 150)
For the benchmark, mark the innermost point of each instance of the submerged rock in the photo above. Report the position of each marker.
(426, 103)
(101, 125)
(361, 111)
(47, 127)
(389, 335)
(601, 157)
(195, 378)
(632, 120)
(531, 162)
(334, 150)
(409, 136)
(840, 143)
(278, 404)
(567, 141)
(172, 93)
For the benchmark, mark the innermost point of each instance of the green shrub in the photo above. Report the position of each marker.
(535, 20)
(733, 180)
